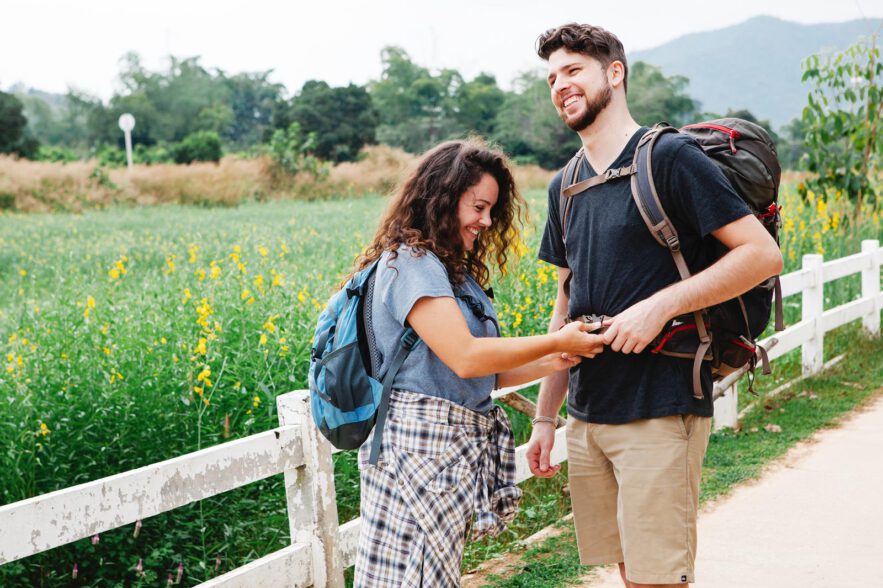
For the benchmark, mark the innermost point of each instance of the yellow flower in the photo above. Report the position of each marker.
(263, 339)
(170, 264)
(256, 401)
(269, 326)
(106, 350)
(114, 273)
(22, 272)
(187, 295)
(204, 376)
(44, 429)
(192, 253)
(259, 283)
(263, 251)
(237, 385)
(198, 390)
(277, 278)
(90, 302)
(245, 294)
(200, 274)
(200, 347)
(283, 249)
(163, 340)
(215, 270)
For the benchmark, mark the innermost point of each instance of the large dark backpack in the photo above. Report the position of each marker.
(725, 334)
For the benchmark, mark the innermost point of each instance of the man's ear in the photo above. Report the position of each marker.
(615, 73)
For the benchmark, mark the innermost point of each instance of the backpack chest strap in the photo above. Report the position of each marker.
(610, 174)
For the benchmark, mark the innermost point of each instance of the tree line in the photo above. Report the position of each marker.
(189, 111)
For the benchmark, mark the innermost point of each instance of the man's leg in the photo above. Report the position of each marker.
(593, 492)
(628, 584)
(657, 464)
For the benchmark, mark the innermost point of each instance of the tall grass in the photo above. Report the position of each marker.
(138, 334)
(32, 186)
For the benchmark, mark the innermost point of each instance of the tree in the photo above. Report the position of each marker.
(13, 138)
(654, 97)
(416, 109)
(342, 119)
(200, 146)
(842, 121)
(477, 104)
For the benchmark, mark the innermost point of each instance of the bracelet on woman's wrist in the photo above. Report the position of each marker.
(544, 419)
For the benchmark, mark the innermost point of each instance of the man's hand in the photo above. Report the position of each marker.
(539, 449)
(634, 328)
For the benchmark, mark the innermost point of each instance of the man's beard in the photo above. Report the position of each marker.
(593, 109)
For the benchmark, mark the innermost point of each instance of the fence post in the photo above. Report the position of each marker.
(726, 408)
(871, 285)
(813, 307)
(312, 506)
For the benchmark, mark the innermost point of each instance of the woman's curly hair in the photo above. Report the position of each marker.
(423, 213)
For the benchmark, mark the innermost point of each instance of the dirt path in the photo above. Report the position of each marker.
(814, 519)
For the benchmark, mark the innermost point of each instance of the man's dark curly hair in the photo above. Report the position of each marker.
(589, 40)
(423, 214)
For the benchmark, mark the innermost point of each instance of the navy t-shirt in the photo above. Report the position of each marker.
(615, 263)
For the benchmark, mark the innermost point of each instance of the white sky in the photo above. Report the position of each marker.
(54, 44)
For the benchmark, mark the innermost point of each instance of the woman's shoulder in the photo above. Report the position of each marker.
(407, 255)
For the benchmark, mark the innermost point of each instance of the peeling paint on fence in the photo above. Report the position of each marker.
(50, 520)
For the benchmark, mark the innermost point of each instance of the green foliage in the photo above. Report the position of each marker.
(417, 108)
(342, 120)
(478, 103)
(842, 121)
(654, 97)
(13, 138)
(292, 152)
(200, 146)
(56, 153)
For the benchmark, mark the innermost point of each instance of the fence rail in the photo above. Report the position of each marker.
(320, 547)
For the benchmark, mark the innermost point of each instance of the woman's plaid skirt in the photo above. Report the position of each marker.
(439, 463)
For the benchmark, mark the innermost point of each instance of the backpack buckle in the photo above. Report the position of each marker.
(612, 174)
(409, 339)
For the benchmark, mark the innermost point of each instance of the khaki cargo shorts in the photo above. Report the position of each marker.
(635, 493)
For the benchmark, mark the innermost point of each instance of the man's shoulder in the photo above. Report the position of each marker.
(669, 145)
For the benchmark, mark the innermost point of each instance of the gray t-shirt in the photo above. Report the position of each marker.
(400, 283)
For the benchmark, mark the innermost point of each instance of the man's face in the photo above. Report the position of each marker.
(579, 86)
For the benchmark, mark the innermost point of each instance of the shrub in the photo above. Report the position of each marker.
(199, 146)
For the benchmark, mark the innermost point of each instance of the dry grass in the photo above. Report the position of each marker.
(29, 186)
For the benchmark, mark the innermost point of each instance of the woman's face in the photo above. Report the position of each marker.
(474, 210)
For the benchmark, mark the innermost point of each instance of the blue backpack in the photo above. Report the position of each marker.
(346, 396)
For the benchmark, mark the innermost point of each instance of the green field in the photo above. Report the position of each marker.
(131, 336)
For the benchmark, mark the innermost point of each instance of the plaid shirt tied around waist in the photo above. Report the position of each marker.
(440, 463)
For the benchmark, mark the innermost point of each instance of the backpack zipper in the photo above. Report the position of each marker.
(732, 133)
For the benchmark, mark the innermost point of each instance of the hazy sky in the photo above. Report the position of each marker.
(53, 44)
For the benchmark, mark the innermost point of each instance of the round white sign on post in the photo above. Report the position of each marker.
(127, 122)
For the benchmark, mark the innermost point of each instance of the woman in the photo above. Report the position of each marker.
(446, 450)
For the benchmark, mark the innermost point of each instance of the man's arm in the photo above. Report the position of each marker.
(752, 258)
(553, 389)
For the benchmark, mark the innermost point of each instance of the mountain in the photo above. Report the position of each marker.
(755, 64)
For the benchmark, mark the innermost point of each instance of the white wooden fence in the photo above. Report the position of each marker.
(321, 548)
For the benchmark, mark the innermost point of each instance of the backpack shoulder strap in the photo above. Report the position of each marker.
(568, 177)
(407, 342)
(660, 226)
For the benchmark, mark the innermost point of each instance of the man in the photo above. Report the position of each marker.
(636, 433)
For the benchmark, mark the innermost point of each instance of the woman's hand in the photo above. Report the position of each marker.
(575, 339)
(563, 361)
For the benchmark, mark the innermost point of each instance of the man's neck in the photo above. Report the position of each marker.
(605, 139)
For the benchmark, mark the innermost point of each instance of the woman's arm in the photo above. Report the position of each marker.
(538, 369)
(441, 325)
